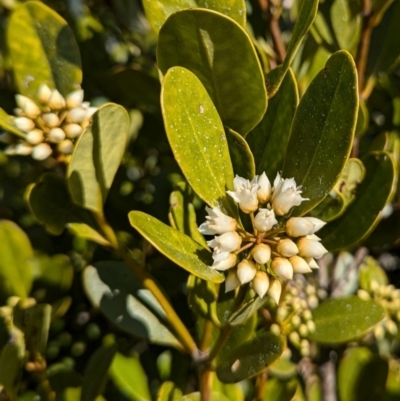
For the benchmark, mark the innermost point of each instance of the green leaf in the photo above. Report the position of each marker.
(112, 287)
(241, 156)
(280, 390)
(96, 371)
(339, 320)
(332, 207)
(176, 246)
(268, 140)
(51, 204)
(15, 261)
(361, 375)
(323, 130)
(247, 310)
(250, 358)
(215, 396)
(97, 156)
(130, 378)
(393, 381)
(370, 271)
(6, 122)
(182, 214)
(202, 41)
(196, 135)
(11, 362)
(168, 392)
(157, 11)
(305, 18)
(43, 50)
(362, 216)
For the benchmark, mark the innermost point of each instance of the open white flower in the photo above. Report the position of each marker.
(264, 192)
(285, 195)
(265, 220)
(245, 194)
(227, 242)
(217, 222)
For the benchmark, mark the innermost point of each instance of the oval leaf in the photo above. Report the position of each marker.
(176, 246)
(113, 288)
(43, 50)
(157, 11)
(196, 135)
(97, 156)
(202, 41)
(323, 130)
(343, 319)
(362, 216)
(250, 358)
(6, 122)
(15, 261)
(268, 140)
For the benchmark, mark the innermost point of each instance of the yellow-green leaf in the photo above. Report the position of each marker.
(6, 123)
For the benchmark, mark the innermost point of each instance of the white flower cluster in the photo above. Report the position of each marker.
(275, 250)
(50, 126)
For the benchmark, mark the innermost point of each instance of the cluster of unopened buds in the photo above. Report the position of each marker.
(275, 250)
(50, 126)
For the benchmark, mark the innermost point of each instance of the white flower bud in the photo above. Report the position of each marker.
(300, 266)
(265, 220)
(51, 120)
(275, 290)
(23, 149)
(286, 247)
(28, 106)
(74, 99)
(18, 112)
(246, 270)
(76, 115)
(261, 283)
(379, 332)
(56, 101)
(311, 326)
(223, 260)
(227, 242)
(72, 130)
(312, 263)
(65, 147)
(318, 224)
(264, 193)
(35, 136)
(294, 338)
(261, 253)
(282, 268)
(231, 281)
(363, 295)
(41, 151)
(217, 222)
(56, 135)
(310, 249)
(295, 321)
(299, 227)
(285, 195)
(275, 329)
(44, 93)
(391, 327)
(24, 124)
(245, 194)
(303, 330)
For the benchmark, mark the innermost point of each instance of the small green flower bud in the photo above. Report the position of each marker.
(296, 321)
(294, 338)
(246, 270)
(282, 268)
(311, 326)
(303, 330)
(313, 301)
(286, 247)
(307, 315)
(363, 294)
(275, 329)
(261, 253)
(391, 327)
(379, 332)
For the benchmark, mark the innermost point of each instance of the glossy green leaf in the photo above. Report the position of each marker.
(168, 392)
(386, 234)
(332, 207)
(112, 287)
(351, 176)
(157, 11)
(241, 155)
(233, 391)
(202, 41)
(43, 50)
(279, 390)
(196, 135)
(250, 358)
(305, 18)
(340, 320)
(96, 371)
(176, 246)
(97, 156)
(268, 140)
(322, 132)
(361, 375)
(369, 272)
(6, 123)
(83, 230)
(362, 216)
(15, 261)
(202, 296)
(215, 396)
(11, 362)
(51, 204)
(130, 378)
(247, 310)
(182, 214)
(283, 368)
